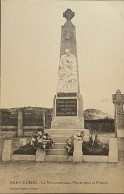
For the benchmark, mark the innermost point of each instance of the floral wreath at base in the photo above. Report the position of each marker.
(42, 140)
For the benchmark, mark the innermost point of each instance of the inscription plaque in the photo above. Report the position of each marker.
(66, 107)
(66, 95)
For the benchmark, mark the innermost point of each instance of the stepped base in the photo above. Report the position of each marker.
(58, 151)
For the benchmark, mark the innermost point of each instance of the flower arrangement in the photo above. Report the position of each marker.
(70, 142)
(41, 140)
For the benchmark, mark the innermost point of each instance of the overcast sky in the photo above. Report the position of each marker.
(31, 32)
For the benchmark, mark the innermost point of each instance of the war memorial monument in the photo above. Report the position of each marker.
(68, 103)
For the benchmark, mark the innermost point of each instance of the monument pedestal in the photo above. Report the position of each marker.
(68, 111)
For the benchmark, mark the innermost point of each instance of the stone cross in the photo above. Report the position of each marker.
(118, 100)
(68, 14)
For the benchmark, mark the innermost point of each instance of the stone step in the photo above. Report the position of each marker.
(121, 142)
(56, 152)
(67, 132)
(58, 158)
(60, 139)
(121, 159)
(121, 145)
(121, 155)
(58, 146)
(121, 151)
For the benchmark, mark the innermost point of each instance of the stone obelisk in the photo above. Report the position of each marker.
(68, 103)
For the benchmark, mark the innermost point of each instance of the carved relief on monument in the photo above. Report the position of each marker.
(68, 72)
(68, 34)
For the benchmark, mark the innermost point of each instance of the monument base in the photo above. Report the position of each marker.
(67, 123)
(68, 111)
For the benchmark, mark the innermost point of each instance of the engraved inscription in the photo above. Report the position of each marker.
(66, 107)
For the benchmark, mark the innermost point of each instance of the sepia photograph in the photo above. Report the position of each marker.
(62, 96)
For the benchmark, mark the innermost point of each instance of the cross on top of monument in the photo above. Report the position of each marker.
(68, 14)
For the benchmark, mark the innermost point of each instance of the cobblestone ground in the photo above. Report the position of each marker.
(55, 177)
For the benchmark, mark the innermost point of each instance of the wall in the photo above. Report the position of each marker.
(102, 125)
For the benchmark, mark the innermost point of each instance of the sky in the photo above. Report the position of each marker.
(30, 51)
